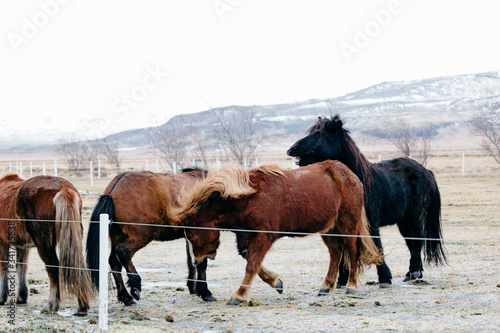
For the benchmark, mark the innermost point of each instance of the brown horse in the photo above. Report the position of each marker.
(322, 198)
(141, 198)
(29, 203)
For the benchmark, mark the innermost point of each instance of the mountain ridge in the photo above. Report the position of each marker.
(445, 101)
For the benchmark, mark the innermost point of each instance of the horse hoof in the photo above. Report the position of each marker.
(136, 293)
(49, 309)
(234, 301)
(384, 285)
(126, 300)
(323, 292)
(413, 276)
(80, 313)
(208, 298)
(339, 286)
(279, 286)
(350, 290)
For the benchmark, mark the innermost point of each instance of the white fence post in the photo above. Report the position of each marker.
(103, 272)
(10, 167)
(147, 165)
(217, 165)
(55, 167)
(43, 171)
(175, 168)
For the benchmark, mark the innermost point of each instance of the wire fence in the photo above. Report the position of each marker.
(283, 233)
(105, 271)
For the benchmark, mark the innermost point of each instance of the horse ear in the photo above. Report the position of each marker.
(334, 125)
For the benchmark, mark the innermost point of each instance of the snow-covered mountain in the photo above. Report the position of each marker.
(445, 102)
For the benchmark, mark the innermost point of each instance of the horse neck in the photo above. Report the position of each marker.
(357, 162)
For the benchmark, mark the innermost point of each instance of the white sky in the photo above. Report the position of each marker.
(84, 57)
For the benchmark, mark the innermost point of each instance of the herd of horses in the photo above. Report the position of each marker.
(336, 192)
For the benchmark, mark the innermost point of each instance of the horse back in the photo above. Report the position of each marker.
(398, 186)
(9, 188)
(306, 199)
(36, 196)
(145, 197)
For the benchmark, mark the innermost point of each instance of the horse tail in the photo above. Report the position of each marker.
(434, 249)
(368, 252)
(104, 206)
(74, 277)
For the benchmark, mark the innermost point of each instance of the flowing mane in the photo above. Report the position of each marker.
(270, 169)
(228, 183)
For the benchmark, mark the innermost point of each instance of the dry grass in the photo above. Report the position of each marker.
(461, 297)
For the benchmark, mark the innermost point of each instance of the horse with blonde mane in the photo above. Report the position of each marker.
(270, 203)
(45, 212)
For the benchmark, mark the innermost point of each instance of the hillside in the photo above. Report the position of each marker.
(445, 102)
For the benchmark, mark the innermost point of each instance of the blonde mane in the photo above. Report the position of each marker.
(229, 183)
(270, 169)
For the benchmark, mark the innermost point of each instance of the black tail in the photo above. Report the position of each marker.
(104, 206)
(434, 249)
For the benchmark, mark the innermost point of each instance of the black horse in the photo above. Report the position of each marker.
(397, 191)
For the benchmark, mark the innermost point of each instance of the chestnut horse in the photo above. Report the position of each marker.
(28, 203)
(271, 203)
(397, 191)
(141, 198)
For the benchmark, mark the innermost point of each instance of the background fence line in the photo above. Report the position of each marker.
(212, 164)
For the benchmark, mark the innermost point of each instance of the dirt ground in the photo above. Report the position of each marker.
(461, 297)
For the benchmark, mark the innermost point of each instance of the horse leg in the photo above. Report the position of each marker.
(343, 274)
(22, 268)
(413, 228)
(49, 257)
(351, 247)
(383, 271)
(271, 278)
(4, 274)
(255, 255)
(116, 268)
(191, 280)
(201, 282)
(197, 278)
(334, 245)
(134, 280)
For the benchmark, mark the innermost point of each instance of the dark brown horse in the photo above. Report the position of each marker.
(141, 198)
(29, 203)
(398, 191)
(272, 203)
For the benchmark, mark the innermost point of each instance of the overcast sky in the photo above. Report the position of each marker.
(130, 64)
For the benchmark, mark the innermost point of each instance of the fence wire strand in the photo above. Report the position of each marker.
(285, 233)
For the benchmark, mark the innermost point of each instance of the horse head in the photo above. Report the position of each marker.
(209, 205)
(202, 243)
(325, 141)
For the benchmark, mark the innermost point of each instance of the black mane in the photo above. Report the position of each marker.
(352, 157)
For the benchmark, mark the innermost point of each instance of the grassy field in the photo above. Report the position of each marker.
(463, 296)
